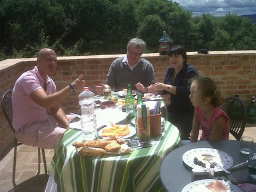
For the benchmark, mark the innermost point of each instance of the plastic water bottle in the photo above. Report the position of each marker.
(88, 116)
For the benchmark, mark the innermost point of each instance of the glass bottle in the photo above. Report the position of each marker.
(143, 122)
(139, 99)
(129, 100)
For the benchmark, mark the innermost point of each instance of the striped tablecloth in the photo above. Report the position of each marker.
(138, 171)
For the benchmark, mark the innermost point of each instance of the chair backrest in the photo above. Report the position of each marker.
(6, 104)
(237, 128)
(235, 109)
(11, 141)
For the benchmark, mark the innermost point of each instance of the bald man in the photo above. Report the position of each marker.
(38, 119)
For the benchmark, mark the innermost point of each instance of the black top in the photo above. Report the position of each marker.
(120, 75)
(175, 175)
(180, 103)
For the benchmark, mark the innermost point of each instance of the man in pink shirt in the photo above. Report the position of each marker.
(37, 116)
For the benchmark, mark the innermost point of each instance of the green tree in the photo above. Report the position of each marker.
(104, 26)
(151, 30)
(206, 30)
(221, 40)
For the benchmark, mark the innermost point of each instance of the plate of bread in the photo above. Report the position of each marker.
(102, 147)
(116, 130)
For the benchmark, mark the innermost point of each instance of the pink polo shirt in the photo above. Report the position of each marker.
(206, 124)
(25, 110)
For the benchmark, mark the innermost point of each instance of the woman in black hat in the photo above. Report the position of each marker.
(175, 89)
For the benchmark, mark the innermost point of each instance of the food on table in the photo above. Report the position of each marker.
(100, 147)
(208, 157)
(125, 149)
(78, 144)
(115, 130)
(119, 140)
(114, 99)
(106, 104)
(217, 186)
(99, 143)
(121, 102)
(201, 188)
(198, 162)
(208, 186)
(113, 146)
(89, 151)
(207, 160)
(97, 102)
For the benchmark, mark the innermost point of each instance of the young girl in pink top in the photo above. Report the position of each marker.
(208, 116)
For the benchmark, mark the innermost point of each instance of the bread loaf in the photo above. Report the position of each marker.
(113, 146)
(100, 143)
(89, 151)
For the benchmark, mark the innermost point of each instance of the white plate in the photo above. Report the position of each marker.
(221, 158)
(200, 186)
(132, 132)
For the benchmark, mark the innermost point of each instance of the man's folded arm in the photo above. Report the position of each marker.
(40, 97)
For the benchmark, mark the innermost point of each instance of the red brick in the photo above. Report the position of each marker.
(242, 81)
(232, 67)
(243, 91)
(242, 86)
(219, 73)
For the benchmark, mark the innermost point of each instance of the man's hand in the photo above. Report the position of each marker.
(151, 88)
(79, 83)
(159, 86)
(141, 87)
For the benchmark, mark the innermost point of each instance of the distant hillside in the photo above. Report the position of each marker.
(251, 17)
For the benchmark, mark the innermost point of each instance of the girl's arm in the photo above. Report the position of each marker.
(195, 129)
(218, 128)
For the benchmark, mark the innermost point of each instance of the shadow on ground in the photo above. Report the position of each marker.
(34, 184)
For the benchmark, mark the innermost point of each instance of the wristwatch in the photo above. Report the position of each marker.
(72, 87)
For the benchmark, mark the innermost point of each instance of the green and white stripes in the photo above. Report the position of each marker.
(138, 171)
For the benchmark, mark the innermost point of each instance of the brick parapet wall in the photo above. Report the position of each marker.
(234, 71)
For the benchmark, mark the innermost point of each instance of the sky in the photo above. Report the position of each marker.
(219, 7)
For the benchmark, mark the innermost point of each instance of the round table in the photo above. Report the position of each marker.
(137, 171)
(174, 175)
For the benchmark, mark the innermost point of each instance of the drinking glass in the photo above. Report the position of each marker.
(246, 146)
